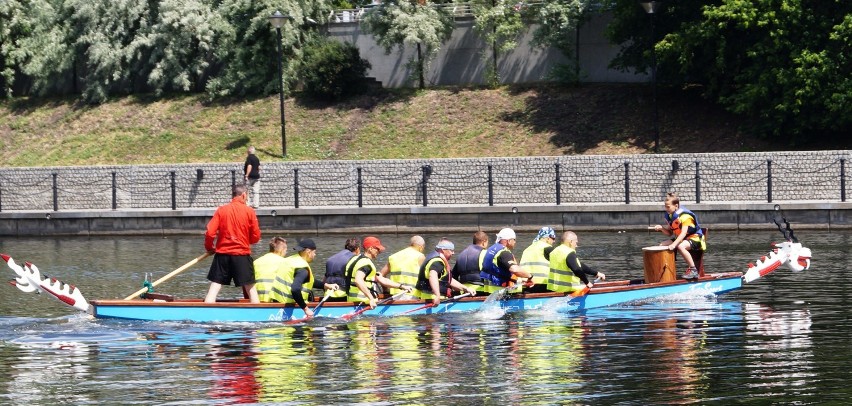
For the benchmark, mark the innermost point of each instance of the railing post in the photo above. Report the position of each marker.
(558, 187)
(174, 191)
(1, 197)
(697, 183)
(842, 179)
(360, 190)
(114, 192)
(627, 183)
(55, 193)
(490, 187)
(233, 178)
(769, 181)
(427, 170)
(296, 187)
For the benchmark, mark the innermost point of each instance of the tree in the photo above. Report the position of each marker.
(498, 22)
(559, 22)
(250, 63)
(180, 49)
(785, 64)
(410, 22)
(13, 25)
(97, 34)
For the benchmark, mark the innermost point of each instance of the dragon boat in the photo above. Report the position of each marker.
(161, 307)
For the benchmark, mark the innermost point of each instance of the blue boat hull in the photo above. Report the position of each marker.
(602, 295)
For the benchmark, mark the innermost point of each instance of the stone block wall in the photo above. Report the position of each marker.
(588, 179)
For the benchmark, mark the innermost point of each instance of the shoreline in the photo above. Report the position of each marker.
(434, 219)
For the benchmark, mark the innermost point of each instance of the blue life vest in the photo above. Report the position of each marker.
(490, 271)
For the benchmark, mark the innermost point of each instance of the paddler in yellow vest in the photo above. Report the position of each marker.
(362, 275)
(567, 274)
(266, 268)
(433, 280)
(403, 266)
(535, 259)
(296, 273)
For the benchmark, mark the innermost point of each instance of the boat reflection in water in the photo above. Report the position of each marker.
(664, 351)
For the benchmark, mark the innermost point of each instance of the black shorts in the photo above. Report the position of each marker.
(239, 268)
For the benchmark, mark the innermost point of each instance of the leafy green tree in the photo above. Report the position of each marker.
(97, 34)
(250, 63)
(559, 22)
(42, 51)
(784, 63)
(180, 48)
(13, 24)
(499, 23)
(333, 70)
(410, 22)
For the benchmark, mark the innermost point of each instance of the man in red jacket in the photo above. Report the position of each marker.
(234, 227)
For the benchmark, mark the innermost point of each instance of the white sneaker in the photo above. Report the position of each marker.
(690, 273)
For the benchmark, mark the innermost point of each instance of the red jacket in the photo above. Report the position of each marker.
(234, 227)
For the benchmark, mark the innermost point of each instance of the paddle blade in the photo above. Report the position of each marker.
(580, 293)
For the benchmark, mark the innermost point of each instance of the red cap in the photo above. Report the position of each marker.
(370, 242)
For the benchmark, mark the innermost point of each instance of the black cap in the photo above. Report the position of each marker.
(307, 243)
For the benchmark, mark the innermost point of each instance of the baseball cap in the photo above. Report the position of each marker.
(371, 241)
(307, 243)
(446, 245)
(506, 234)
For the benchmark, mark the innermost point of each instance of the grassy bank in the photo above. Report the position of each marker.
(441, 122)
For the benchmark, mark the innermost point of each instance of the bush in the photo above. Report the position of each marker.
(332, 70)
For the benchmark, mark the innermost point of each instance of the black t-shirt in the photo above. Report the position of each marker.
(255, 166)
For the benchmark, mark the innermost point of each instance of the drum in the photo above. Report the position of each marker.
(659, 264)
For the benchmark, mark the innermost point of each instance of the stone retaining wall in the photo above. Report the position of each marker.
(596, 179)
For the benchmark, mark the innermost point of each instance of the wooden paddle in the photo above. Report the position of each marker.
(349, 316)
(170, 275)
(316, 309)
(428, 305)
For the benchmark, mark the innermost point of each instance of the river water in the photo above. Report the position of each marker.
(783, 339)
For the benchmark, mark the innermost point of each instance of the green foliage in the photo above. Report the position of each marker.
(180, 48)
(13, 24)
(250, 65)
(332, 70)
(498, 23)
(559, 20)
(98, 33)
(410, 23)
(783, 62)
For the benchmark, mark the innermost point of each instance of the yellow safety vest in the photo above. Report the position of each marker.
(404, 266)
(266, 277)
(561, 278)
(291, 264)
(358, 262)
(533, 260)
(429, 295)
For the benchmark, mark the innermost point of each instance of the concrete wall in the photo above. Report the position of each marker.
(460, 60)
(732, 189)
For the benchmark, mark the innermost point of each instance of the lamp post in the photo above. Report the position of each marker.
(651, 7)
(277, 20)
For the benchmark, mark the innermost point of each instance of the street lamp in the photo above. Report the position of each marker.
(277, 20)
(652, 7)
